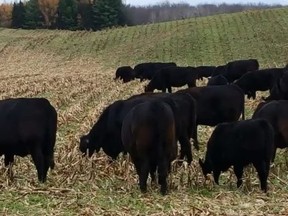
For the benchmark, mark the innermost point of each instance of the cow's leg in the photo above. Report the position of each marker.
(273, 154)
(137, 165)
(153, 167)
(254, 95)
(216, 174)
(238, 170)
(8, 159)
(163, 166)
(185, 149)
(195, 138)
(38, 159)
(47, 163)
(144, 171)
(169, 89)
(262, 168)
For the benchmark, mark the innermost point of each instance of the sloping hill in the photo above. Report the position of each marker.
(75, 71)
(208, 40)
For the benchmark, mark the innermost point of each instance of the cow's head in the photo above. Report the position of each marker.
(206, 168)
(87, 145)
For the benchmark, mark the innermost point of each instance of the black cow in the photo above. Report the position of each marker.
(184, 109)
(106, 131)
(236, 69)
(279, 90)
(205, 71)
(148, 134)
(217, 80)
(125, 73)
(238, 144)
(259, 80)
(147, 70)
(217, 104)
(172, 77)
(219, 70)
(276, 113)
(28, 126)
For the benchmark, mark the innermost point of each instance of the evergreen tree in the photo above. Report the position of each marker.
(107, 13)
(33, 16)
(18, 15)
(85, 11)
(67, 14)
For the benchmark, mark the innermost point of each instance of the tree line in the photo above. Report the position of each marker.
(100, 14)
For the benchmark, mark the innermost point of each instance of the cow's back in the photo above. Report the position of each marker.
(216, 104)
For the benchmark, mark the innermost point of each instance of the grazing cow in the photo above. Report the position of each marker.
(28, 126)
(238, 144)
(279, 90)
(217, 104)
(106, 131)
(125, 73)
(205, 71)
(148, 134)
(146, 71)
(236, 69)
(172, 77)
(217, 80)
(259, 80)
(276, 113)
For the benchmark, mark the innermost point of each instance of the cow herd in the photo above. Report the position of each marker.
(148, 125)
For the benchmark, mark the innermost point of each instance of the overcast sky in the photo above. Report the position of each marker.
(195, 2)
(191, 2)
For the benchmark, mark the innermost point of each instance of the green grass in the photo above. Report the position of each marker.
(75, 71)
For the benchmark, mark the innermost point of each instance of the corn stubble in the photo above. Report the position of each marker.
(81, 87)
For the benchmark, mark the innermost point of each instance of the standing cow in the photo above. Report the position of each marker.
(238, 144)
(276, 113)
(28, 126)
(148, 134)
(279, 90)
(236, 69)
(259, 80)
(205, 71)
(167, 78)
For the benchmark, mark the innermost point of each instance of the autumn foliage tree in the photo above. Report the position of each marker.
(48, 9)
(6, 14)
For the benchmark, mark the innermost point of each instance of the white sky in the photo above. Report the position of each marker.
(191, 2)
(195, 2)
